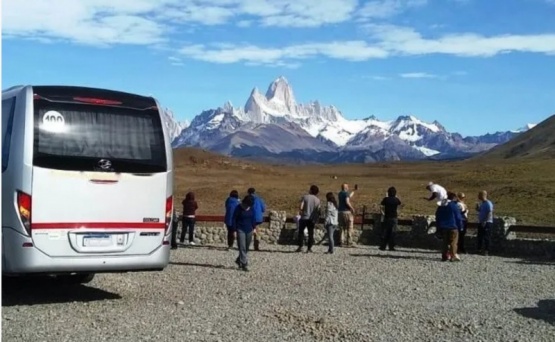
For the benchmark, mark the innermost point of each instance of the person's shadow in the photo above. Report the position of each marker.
(545, 311)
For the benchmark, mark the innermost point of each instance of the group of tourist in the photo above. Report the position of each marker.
(452, 221)
(243, 216)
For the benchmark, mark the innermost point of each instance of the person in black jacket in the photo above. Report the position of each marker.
(389, 228)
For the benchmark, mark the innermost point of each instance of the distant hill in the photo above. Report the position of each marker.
(538, 142)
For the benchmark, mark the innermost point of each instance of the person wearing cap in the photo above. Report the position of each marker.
(464, 211)
(438, 193)
(259, 208)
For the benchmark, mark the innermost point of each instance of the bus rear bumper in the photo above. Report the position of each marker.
(19, 260)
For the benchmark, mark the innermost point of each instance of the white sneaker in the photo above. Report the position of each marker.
(456, 258)
(192, 243)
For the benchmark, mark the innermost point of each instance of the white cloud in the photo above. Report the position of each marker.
(153, 23)
(388, 8)
(418, 75)
(229, 53)
(406, 41)
(145, 22)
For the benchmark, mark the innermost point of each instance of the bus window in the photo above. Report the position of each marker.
(89, 137)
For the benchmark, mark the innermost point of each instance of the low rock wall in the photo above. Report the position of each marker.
(421, 234)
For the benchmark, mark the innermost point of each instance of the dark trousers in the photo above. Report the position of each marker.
(230, 236)
(330, 229)
(389, 229)
(300, 238)
(174, 233)
(462, 234)
(243, 242)
(483, 238)
(188, 225)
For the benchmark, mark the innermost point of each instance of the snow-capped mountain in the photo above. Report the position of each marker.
(274, 126)
(174, 127)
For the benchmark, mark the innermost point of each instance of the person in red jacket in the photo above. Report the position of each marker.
(190, 207)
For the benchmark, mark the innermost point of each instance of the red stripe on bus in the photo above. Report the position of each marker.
(98, 225)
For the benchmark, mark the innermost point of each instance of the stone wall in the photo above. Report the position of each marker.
(421, 234)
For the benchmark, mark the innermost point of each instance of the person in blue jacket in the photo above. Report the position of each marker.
(244, 223)
(259, 208)
(449, 221)
(230, 205)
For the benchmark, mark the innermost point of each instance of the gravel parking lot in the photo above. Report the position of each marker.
(359, 294)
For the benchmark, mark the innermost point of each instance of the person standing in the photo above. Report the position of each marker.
(309, 209)
(449, 222)
(230, 205)
(485, 219)
(346, 215)
(259, 208)
(389, 228)
(190, 207)
(175, 223)
(464, 211)
(244, 223)
(438, 193)
(331, 220)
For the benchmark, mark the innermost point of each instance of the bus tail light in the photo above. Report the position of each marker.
(169, 207)
(24, 204)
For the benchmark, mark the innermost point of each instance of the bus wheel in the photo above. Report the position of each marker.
(79, 278)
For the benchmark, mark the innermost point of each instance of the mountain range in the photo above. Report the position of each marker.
(274, 127)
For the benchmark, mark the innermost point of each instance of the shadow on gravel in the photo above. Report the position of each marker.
(192, 264)
(545, 311)
(394, 256)
(276, 251)
(534, 262)
(46, 290)
(214, 248)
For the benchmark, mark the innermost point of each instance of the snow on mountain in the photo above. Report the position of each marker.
(174, 127)
(270, 124)
(525, 128)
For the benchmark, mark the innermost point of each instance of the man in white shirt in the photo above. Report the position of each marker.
(438, 193)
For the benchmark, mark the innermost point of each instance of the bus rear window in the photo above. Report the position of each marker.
(88, 137)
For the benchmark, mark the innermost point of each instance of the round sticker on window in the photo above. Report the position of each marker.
(53, 121)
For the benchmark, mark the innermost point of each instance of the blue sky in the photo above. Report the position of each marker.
(476, 66)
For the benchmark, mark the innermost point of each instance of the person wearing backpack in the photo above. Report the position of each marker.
(309, 210)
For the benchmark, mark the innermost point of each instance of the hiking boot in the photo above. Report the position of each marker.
(382, 248)
(245, 269)
(300, 249)
(309, 250)
(392, 249)
(485, 253)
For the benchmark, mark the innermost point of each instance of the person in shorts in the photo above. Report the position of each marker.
(346, 215)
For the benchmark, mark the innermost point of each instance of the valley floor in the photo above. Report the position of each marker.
(524, 190)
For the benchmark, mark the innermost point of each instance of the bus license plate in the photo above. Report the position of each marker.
(97, 240)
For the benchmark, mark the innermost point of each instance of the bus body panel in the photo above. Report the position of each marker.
(69, 205)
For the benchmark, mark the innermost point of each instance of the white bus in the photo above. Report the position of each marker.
(87, 183)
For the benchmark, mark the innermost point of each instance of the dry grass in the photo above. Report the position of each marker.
(525, 190)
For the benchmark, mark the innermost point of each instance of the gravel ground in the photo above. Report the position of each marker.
(358, 294)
